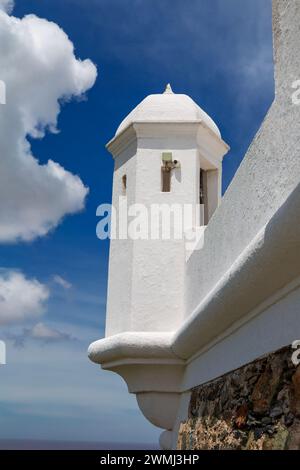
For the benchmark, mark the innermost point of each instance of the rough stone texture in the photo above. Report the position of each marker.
(256, 407)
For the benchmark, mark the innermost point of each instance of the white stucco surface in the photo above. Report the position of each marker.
(268, 173)
(277, 325)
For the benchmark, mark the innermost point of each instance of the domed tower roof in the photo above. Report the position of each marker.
(168, 107)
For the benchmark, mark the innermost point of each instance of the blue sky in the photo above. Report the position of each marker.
(217, 51)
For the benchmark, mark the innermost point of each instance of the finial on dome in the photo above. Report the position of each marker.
(168, 90)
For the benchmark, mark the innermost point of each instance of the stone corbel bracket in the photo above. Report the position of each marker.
(150, 369)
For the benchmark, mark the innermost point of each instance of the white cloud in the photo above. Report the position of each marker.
(7, 5)
(20, 298)
(40, 332)
(62, 282)
(46, 333)
(39, 68)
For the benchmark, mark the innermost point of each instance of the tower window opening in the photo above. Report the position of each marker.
(201, 187)
(166, 179)
(208, 194)
(124, 183)
(203, 197)
(168, 164)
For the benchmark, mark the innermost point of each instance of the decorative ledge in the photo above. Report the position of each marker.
(138, 346)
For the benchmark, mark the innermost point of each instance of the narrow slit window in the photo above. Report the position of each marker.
(209, 196)
(201, 187)
(166, 179)
(203, 198)
(124, 183)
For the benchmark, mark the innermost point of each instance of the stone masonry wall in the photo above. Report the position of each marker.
(256, 407)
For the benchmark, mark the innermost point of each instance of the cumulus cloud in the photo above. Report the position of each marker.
(7, 5)
(40, 332)
(20, 298)
(40, 70)
(62, 282)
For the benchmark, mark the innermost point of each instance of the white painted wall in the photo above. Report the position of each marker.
(271, 326)
(158, 265)
(118, 316)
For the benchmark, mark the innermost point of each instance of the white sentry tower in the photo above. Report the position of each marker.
(166, 151)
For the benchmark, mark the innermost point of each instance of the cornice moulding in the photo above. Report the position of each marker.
(144, 129)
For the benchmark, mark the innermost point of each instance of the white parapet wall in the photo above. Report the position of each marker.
(241, 289)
